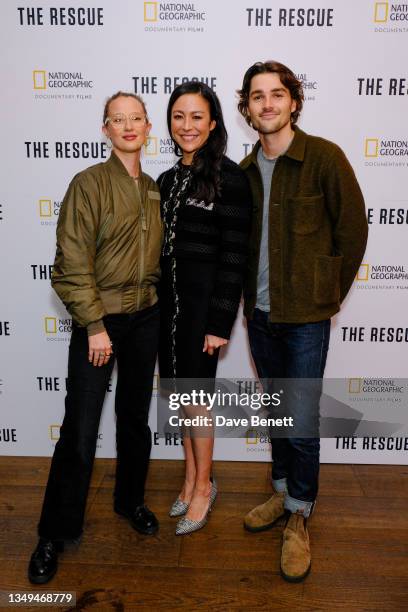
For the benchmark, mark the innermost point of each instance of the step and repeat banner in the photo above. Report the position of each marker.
(61, 60)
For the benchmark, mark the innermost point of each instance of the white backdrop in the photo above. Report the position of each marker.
(60, 61)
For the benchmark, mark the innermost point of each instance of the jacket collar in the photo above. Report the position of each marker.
(296, 150)
(117, 167)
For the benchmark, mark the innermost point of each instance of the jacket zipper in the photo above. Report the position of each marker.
(143, 228)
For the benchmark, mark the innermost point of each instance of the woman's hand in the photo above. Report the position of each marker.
(100, 349)
(211, 343)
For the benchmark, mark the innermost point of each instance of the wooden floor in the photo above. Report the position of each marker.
(359, 535)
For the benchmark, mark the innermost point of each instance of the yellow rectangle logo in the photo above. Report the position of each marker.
(45, 208)
(363, 272)
(150, 11)
(354, 385)
(371, 147)
(50, 324)
(381, 12)
(252, 436)
(150, 148)
(55, 432)
(39, 79)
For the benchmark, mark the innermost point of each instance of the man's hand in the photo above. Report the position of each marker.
(211, 343)
(100, 349)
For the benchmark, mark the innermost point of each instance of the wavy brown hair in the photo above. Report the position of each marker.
(288, 79)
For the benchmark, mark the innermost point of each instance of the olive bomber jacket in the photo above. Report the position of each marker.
(317, 230)
(109, 238)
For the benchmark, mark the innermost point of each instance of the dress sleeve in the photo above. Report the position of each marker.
(73, 276)
(233, 214)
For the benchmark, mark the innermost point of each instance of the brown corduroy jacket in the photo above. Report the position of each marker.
(317, 230)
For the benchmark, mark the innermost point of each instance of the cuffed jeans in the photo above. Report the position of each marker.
(289, 350)
(134, 338)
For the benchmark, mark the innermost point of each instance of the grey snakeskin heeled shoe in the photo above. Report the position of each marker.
(179, 508)
(186, 526)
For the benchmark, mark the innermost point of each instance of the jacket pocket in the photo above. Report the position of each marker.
(153, 195)
(327, 279)
(306, 214)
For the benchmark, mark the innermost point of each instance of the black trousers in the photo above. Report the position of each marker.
(135, 339)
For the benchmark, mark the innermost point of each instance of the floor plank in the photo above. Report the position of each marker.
(359, 535)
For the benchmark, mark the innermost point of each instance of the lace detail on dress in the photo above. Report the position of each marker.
(182, 179)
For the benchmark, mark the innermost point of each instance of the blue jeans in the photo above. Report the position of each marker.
(291, 350)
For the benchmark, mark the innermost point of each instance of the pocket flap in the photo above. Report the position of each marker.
(153, 195)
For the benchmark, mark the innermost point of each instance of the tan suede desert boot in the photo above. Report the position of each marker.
(265, 516)
(295, 559)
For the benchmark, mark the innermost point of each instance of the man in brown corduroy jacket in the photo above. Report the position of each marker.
(309, 233)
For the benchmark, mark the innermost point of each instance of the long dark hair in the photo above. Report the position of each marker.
(206, 166)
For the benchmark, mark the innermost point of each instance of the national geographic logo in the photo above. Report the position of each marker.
(42, 149)
(5, 328)
(377, 389)
(61, 16)
(173, 17)
(257, 441)
(385, 277)
(150, 84)
(159, 151)
(309, 85)
(385, 152)
(7, 434)
(53, 85)
(390, 17)
(48, 211)
(374, 334)
(387, 216)
(56, 329)
(285, 17)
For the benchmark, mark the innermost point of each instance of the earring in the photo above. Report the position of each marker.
(109, 143)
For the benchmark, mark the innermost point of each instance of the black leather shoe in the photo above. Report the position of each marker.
(141, 518)
(44, 561)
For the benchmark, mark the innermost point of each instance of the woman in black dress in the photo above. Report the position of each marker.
(206, 203)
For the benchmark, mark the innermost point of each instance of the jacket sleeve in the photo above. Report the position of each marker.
(234, 214)
(346, 208)
(73, 276)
